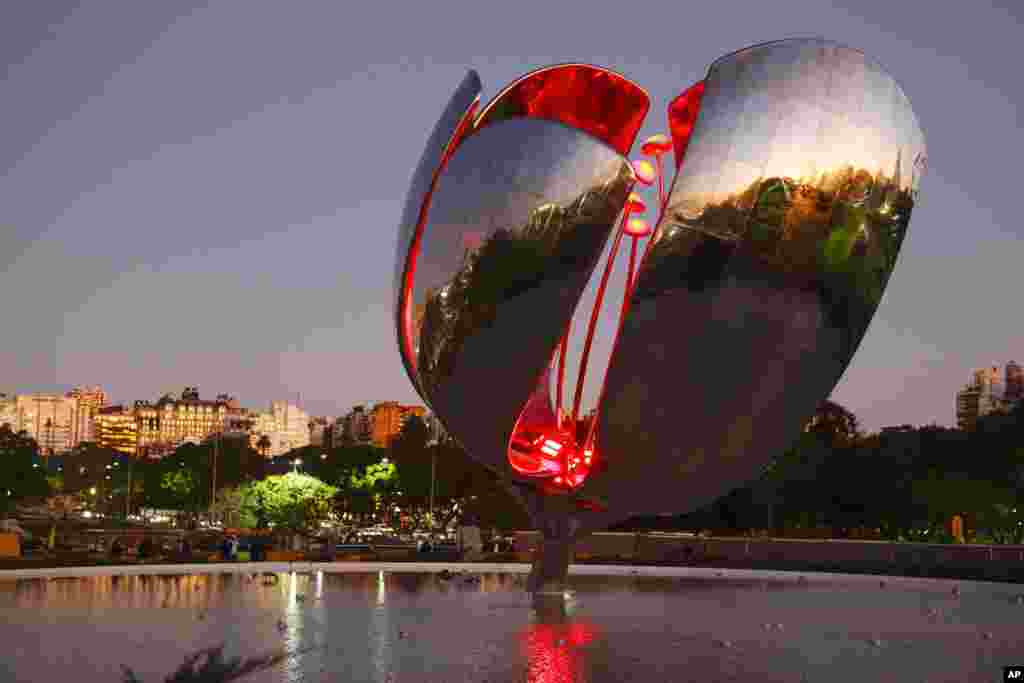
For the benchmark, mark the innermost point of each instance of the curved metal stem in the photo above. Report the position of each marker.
(593, 320)
(661, 186)
(561, 376)
(629, 275)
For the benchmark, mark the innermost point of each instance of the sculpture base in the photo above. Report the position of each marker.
(555, 519)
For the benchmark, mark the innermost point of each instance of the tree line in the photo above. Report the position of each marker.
(902, 483)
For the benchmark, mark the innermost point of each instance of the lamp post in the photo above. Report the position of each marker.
(433, 480)
(213, 474)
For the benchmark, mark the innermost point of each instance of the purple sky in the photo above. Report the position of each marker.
(209, 194)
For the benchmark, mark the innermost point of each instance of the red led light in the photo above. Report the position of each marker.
(637, 227)
(656, 145)
(682, 116)
(644, 171)
(635, 203)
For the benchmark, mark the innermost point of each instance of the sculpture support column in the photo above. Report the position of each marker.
(555, 518)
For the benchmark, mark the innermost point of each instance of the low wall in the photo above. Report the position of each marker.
(999, 562)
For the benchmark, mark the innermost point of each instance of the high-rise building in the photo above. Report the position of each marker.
(1014, 386)
(50, 419)
(990, 382)
(170, 422)
(985, 394)
(115, 427)
(386, 420)
(8, 411)
(319, 431)
(967, 406)
(90, 400)
(353, 428)
(275, 432)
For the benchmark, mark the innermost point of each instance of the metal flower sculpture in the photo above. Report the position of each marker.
(797, 164)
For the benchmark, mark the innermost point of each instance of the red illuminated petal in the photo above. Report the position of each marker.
(592, 99)
(682, 115)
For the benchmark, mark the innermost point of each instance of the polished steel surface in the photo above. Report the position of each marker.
(516, 225)
(458, 112)
(779, 237)
(798, 164)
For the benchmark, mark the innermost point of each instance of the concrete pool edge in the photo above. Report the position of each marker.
(481, 568)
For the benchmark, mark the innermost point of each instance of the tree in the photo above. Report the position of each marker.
(230, 506)
(291, 501)
(834, 422)
(21, 477)
(181, 486)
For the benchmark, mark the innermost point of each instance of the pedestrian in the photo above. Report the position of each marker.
(225, 548)
(234, 548)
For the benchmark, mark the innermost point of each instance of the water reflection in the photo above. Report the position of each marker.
(421, 627)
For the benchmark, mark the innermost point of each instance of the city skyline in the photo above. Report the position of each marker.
(156, 224)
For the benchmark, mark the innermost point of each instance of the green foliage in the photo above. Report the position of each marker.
(230, 506)
(375, 477)
(291, 501)
(20, 476)
(905, 482)
(179, 483)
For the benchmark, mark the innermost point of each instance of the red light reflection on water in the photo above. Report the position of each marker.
(554, 651)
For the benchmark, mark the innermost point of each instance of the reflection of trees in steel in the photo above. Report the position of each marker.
(509, 262)
(838, 233)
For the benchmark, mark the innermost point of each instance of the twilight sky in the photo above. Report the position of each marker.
(208, 194)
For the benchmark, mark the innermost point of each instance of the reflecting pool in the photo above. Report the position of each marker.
(384, 626)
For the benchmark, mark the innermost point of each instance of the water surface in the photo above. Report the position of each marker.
(397, 627)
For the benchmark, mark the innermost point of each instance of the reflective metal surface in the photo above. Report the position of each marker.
(454, 122)
(798, 166)
(582, 96)
(779, 237)
(517, 222)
